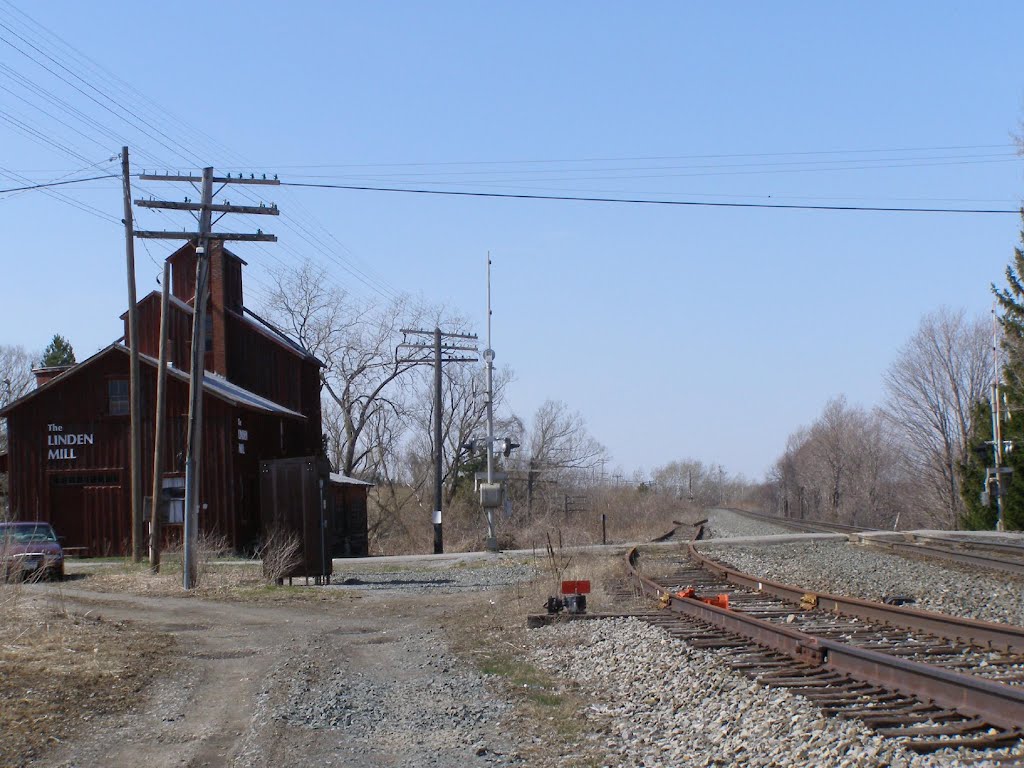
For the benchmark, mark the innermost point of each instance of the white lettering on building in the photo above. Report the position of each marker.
(60, 445)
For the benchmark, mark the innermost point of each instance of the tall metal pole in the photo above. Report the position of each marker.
(997, 435)
(134, 390)
(193, 450)
(492, 540)
(438, 448)
(158, 438)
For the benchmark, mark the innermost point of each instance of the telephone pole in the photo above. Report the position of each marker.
(158, 431)
(492, 537)
(440, 353)
(203, 212)
(134, 386)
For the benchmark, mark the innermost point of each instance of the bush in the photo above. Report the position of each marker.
(281, 553)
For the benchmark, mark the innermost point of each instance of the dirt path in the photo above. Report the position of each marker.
(355, 682)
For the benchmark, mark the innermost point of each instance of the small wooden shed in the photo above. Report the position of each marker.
(347, 503)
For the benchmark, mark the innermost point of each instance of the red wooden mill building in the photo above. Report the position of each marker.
(68, 439)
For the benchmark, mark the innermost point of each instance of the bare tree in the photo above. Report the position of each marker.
(357, 342)
(844, 467)
(690, 479)
(15, 379)
(464, 415)
(831, 446)
(558, 447)
(941, 373)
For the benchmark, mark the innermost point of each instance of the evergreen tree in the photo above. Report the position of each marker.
(1011, 305)
(1010, 302)
(58, 352)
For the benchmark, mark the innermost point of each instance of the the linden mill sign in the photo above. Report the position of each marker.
(61, 445)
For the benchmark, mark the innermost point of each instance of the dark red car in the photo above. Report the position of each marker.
(29, 550)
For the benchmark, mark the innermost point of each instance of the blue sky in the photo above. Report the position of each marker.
(678, 332)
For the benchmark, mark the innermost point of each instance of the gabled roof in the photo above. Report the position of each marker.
(250, 319)
(271, 331)
(213, 385)
(155, 296)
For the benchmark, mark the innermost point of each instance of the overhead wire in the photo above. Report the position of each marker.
(49, 184)
(305, 231)
(326, 245)
(817, 165)
(640, 158)
(642, 201)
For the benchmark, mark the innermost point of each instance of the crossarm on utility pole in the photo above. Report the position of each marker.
(257, 210)
(260, 237)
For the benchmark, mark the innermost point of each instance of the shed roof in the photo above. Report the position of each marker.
(340, 479)
(213, 384)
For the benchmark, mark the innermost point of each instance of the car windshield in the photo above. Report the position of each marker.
(24, 534)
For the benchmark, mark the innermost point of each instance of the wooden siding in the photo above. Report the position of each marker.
(279, 373)
(86, 495)
(179, 332)
(348, 520)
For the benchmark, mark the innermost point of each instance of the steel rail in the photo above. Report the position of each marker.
(905, 547)
(999, 704)
(953, 555)
(1004, 637)
(802, 525)
(953, 537)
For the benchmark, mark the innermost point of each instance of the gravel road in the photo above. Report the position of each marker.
(365, 680)
(368, 678)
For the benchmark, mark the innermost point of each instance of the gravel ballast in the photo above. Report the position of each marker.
(659, 702)
(854, 570)
(723, 524)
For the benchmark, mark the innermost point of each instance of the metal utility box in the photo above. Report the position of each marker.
(490, 495)
(293, 498)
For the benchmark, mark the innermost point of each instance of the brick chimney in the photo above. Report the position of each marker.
(46, 373)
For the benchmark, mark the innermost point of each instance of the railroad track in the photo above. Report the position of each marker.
(996, 556)
(929, 680)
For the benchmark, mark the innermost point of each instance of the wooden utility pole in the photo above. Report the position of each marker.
(156, 507)
(134, 385)
(197, 368)
(439, 351)
(203, 211)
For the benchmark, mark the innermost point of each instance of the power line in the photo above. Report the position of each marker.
(57, 183)
(764, 167)
(640, 201)
(119, 86)
(638, 158)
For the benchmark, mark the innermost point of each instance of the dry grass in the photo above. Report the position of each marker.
(228, 580)
(52, 663)
(629, 515)
(496, 640)
(280, 554)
